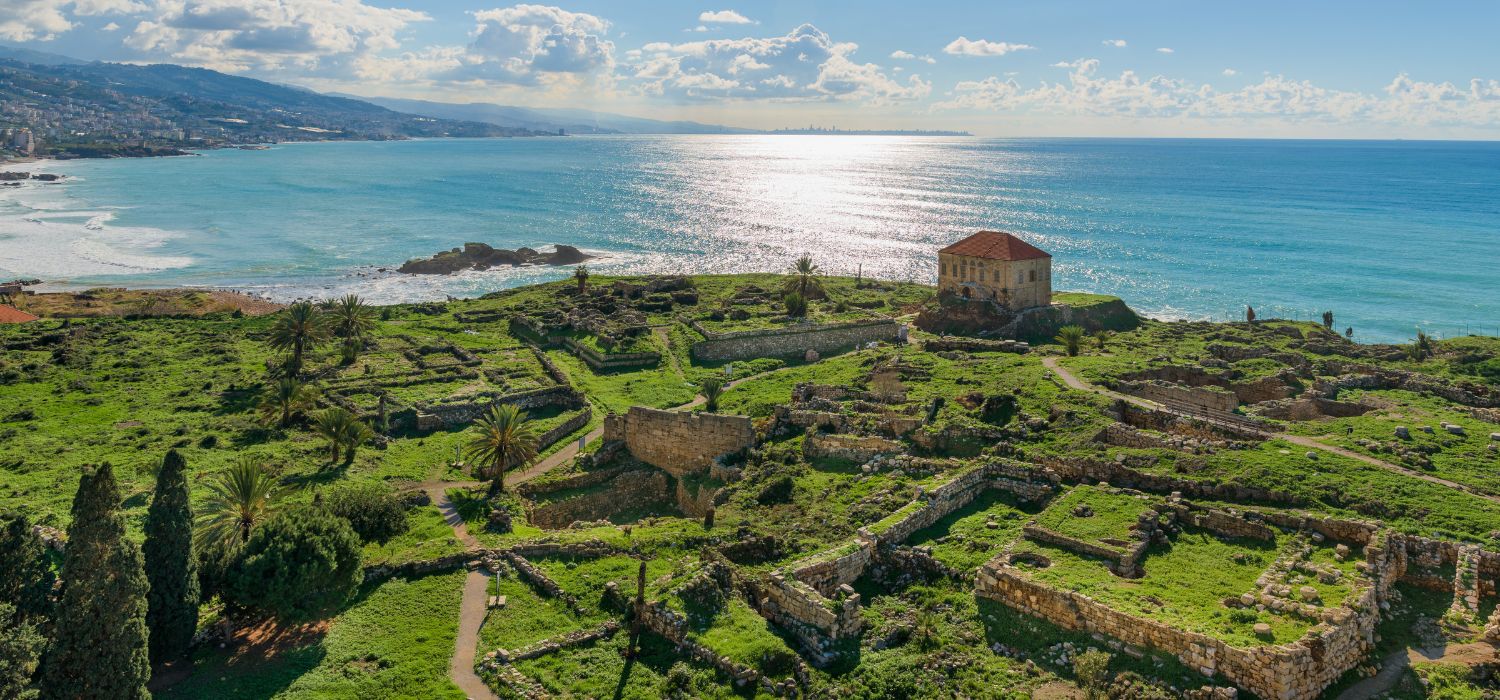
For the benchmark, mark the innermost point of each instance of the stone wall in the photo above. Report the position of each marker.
(439, 415)
(601, 361)
(673, 626)
(794, 341)
(1201, 398)
(815, 621)
(851, 447)
(680, 443)
(1125, 562)
(629, 488)
(948, 342)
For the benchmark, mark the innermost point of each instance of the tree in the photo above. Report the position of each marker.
(1091, 668)
(1071, 338)
(505, 438)
(1101, 339)
(374, 511)
(172, 605)
(1249, 315)
(299, 328)
(353, 320)
(99, 643)
(239, 499)
(21, 646)
(332, 424)
(1328, 320)
(711, 388)
(298, 565)
(796, 304)
(25, 577)
(356, 432)
(288, 397)
(804, 278)
(581, 276)
(1422, 347)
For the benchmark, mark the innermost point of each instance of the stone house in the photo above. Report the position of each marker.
(996, 266)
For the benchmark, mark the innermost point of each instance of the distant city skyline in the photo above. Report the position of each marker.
(1160, 68)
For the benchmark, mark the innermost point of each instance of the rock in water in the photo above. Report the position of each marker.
(481, 256)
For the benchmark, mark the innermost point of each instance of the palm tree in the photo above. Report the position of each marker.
(505, 438)
(352, 320)
(804, 277)
(284, 399)
(1101, 339)
(239, 499)
(711, 388)
(332, 424)
(355, 433)
(581, 274)
(299, 328)
(1071, 337)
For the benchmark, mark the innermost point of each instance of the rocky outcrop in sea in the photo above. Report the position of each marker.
(479, 256)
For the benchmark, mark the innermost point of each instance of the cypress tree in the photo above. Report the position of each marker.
(172, 606)
(20, 649)
(25, 576)
(99, 645)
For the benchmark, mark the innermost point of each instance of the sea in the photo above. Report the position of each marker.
(1391, 236)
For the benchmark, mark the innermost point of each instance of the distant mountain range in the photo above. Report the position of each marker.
(572, 121)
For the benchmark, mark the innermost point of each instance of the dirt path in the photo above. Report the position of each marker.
(470, 618)
(1074, 382)
(472, 611)
(1394, 666)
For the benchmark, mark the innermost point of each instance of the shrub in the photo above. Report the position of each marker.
(796, 304)
(1071, 338)
(374, 510)
(778, 490)
(301, 564)
(1091, 668)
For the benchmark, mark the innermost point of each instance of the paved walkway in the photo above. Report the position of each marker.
(470, 618)
(1074, 382)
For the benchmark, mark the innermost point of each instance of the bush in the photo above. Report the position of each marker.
(301, 564)
(796, 304)
(1091, 668)
(375, 511)
(778, 490)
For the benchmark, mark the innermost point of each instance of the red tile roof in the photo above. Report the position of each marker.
(11, 314)
(995, 245)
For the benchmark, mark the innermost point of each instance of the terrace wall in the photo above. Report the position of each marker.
(789, 342)
(1204, 398)
(640, 486)
(680, 443)
(437, 415)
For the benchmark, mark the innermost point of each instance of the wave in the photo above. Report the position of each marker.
(47, 234)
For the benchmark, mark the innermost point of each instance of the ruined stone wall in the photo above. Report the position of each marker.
(438, 415)
(694, 500)
(680, 443)
(1300, 670)
(600, 361)
(673, 626)
(1092, 471)
(947, 343)
(850, 447)
(640, 486)
(1124, 562)
(817, 622)
(795, 341)
(1203, 398)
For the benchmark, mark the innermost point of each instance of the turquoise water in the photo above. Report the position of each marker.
(1388, 235)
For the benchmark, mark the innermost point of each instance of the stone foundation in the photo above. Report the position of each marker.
(793, 341)
(678, 442)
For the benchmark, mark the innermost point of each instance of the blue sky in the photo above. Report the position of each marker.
(1306, 69)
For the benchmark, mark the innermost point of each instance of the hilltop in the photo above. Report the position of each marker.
(825, 501)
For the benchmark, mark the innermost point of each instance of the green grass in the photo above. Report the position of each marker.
(1114, 515)
(1184, 585)
(527, 617)
(600, 671)
(393, 641)
(964, 541)
(430, 537)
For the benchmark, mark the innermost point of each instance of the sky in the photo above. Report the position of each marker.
(1307, 69)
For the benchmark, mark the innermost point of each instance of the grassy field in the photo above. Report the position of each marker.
(128, 389)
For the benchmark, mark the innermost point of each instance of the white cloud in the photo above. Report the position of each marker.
(1231, 72)
(43, 20)
(237, 35)
(804, 65)
(111, 27)
(963, 46)
(526, 44)
(1403, 102)
(909, 56)
(1165, 50)
(725, 17)
(1116, 43)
